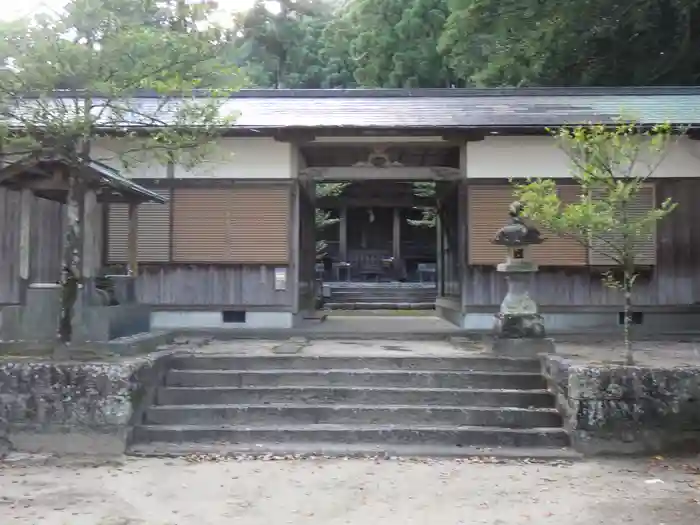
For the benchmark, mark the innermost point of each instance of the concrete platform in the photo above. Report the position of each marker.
(346, 327)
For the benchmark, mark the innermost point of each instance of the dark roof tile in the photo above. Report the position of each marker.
(432, 108)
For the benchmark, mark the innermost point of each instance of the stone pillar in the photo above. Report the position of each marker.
(25, 241)
(91, 225)
(91, 247)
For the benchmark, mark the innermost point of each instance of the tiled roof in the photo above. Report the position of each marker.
(444, 108)
(119, 182)
(461, 109)
(106, 175)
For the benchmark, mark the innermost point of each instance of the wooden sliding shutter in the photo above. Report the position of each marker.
(153, 231)
(487, 212)
(200, 225)
(562, 251)
(260, 218)
(646, 249)
(487, 208)
(242, 224)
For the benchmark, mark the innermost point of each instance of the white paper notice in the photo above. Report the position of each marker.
(280, 278)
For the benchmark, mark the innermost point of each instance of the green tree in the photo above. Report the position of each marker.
(426, 190)
(323, 219)
(599, 42)
(287, 47)
(393, 43)
(611, 165)
(82, 69)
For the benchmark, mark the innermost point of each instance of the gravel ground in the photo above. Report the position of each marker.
(335, 492)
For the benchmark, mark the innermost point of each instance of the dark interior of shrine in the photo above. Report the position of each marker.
(386, 239)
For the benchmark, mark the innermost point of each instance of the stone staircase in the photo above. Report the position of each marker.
(296, 404)
(381, 296)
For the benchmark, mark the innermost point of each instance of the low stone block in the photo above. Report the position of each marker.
(69, 407)
(614, 409)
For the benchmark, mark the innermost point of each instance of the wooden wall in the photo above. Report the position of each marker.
(211, 285)
(45, 248)
(675, 280)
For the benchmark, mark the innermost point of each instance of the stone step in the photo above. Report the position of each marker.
(302, 362)
(399, 292)
(401, 305)
(458, 436)
(370, 297)
(367, 378)
(356, 414)
(382, 288)
(356, 395)
(353, 450)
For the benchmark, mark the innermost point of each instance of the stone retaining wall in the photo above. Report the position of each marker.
(616, 409)
(75, 407)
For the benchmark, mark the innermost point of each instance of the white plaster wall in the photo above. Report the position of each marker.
(143, 165)
(516, 157)
(246, 158)
(230, 158)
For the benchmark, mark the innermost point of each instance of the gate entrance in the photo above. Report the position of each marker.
(383, 225)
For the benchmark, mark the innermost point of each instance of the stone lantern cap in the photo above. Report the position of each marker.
(516, 233)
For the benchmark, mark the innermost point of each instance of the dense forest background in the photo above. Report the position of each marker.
(462, 43)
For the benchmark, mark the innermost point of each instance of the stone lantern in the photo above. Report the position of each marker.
(519, 328)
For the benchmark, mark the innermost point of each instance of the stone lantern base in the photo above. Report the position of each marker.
(518, 327)
(510, 325)
(520, 335)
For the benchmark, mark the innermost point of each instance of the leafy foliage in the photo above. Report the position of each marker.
(445, 43)
(430, 213)
(97, 55)
(393, 43)
(323, 219)
(287, 48)
(67, 78)
(611, 166)
(600, 42)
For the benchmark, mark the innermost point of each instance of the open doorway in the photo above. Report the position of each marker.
(376, 221)
(379, 251)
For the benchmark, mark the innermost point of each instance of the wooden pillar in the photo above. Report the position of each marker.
(462, 233)
(25, 241)
(343, 233)
(440, 255)
(133, 251)
(396, 235)
(296, 234)
(91, 232)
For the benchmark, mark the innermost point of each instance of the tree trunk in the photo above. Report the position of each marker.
(70, 275)
(627, 284)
